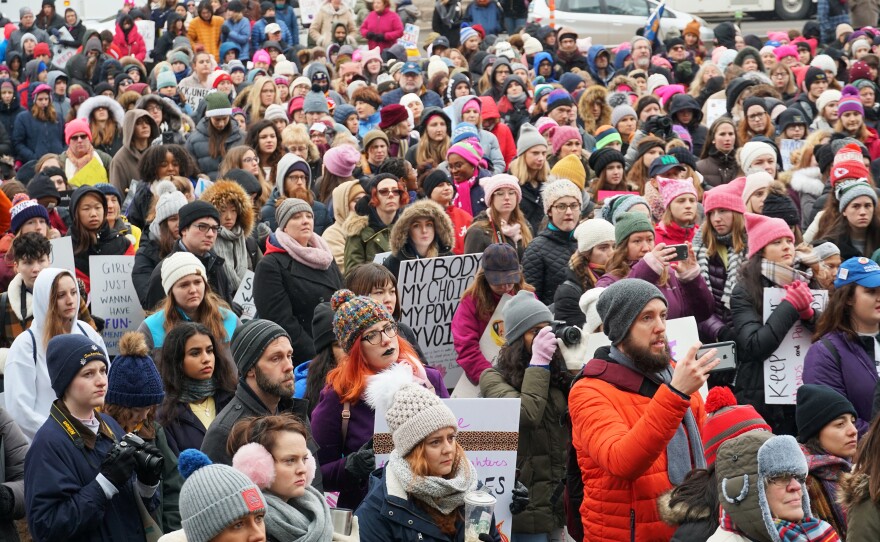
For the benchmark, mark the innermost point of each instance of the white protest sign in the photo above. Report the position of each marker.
(786, 147)
(488, 430)
(147, 28)
(114, 297)
(244, 297)
(62, 254)
(490, 345)
(380, 257)
(715, 107)
(62, 56)
(784, 370)
(430, 290)
(410, 37)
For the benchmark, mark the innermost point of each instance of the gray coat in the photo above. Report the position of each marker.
(198, 145)
(14, 447)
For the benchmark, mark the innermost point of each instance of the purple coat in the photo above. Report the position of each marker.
(853, 374)
(327, 430)
(683, 299)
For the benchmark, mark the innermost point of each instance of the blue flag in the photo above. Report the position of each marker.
(652, 26)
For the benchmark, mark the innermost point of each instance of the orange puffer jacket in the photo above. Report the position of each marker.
(620, 439)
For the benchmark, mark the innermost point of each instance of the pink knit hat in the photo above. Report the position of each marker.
(370, 54)
(470, 151)
(723, 197)
(786, 50)
(342, 160)
(497, 182)
(545, 123)
(673, 188)
(763, 230)
(262, 56)
(77, 126)
(561, 135)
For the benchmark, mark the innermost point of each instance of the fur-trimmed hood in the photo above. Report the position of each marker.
(354, 224)
(808, 180)
(223, 193)
(854, 489)
(116, 111)
(127, 61)
(444, 233)
(171, 114)
(680, 513)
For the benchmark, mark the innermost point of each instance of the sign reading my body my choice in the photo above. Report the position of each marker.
(114, 297)
(488, 430)
(430, 290)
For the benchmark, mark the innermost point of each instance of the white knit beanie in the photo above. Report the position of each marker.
(435, 66)
(824, 63)
(588, 307)
(276, 112)
(593, 232)
(830, 95)
(178, 265)
(169, 200)
(560, 188)
(751, 151)
(412, 411)
(754, 182)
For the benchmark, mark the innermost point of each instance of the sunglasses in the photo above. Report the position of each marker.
(79, 137)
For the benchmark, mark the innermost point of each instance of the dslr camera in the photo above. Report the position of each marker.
(570, 335)
(144, 454)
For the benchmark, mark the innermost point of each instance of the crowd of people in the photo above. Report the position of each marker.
(609, 188)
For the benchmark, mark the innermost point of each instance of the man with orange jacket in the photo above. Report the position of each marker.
(636, 417)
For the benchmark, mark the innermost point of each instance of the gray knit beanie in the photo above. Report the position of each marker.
(169, 200)
(290, 207)
(315, 102)
(849, 190)
(214, 496)
(780, 455)
(250, 340)
(616, 206)
(621, 112)
(528, 137)
(620, 304)
(522, 313)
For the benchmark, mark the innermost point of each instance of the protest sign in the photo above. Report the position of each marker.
(430, 290)
(784, 369)
(490, 345)
(786, 147)
(62, 254)
(715, 107)
(114, 297)
(488, 430)
(244, 297)
(379, 258)
(410, 37)
(147, 28)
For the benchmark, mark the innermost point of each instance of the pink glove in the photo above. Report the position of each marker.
(543, 347)
(798, 294)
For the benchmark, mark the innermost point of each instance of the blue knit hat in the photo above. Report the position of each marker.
(134, 381)
(558, 98)
(466, 33)
(464, 130)
(66, 354)
(165, 78)
(24, 209)
(342, 112)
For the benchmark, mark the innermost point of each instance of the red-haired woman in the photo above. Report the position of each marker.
(367, 333)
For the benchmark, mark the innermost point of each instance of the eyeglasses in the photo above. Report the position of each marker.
(502, 72)
(297, 149)
(78, 137)
(297, 177)
(205, 227)
(385, 192)
(251, 160)
(562, 207)
(756, 116)
(784, 478)
(678, 48)
(374, 337)
(779, 75)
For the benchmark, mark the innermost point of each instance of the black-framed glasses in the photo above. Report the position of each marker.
(562, 207)
(374, 337)
(784, 478)
(204, 228)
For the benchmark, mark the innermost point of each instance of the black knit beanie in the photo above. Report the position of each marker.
(817, 406)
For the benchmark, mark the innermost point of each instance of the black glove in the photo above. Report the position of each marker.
(659, 126)
(361, 463)
(150, 475)
(118, 465)
(375, 36)
(485, 537)
(7, 503)
(520, 498)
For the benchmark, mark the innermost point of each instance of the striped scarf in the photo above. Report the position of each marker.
(783, 275)
(734, 259)
(809, 529)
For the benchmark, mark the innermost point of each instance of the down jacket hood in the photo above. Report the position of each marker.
(43, 296)
(457, 106)
(287, 161)
(854, 489)
(130, 119)
(88, 106)
(170, 113)
(681, 513)
(340, 201)
(444, 233)
(223, 193)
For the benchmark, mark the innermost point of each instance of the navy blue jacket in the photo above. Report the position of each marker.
(63, 498)
(429, 98)
(32, 138)
(388, 513)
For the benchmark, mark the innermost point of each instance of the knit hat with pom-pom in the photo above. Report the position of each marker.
(849, 101)
(725, 419)
(134, 381)
(412, 411)
(169, 200)
(214, 496)
(24, 209)
(354, 314)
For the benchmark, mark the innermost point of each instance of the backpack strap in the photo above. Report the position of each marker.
(34, 341)
(833, 350)
(346, 416)
(4, 304)
(613, 373)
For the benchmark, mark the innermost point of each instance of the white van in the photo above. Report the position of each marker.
(787, 10)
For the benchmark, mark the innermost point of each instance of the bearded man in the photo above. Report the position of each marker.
(636, 417)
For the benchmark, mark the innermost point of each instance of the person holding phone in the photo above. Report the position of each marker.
(636, 256)
(678, 224)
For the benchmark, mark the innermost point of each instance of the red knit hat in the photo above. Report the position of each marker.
(725, 419)
(392, 114)
(763, 230)
(848, 164)
(859, 70)
(42, 49)
(723, 197)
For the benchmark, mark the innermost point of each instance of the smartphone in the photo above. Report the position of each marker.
(681, 252)
(726, 353)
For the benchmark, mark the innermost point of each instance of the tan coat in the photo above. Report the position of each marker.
(335, 235)
(321, 30)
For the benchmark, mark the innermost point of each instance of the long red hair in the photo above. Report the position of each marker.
(349, 378)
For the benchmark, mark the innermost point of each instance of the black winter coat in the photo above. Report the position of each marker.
(545, 261)
(719, 327)
(145, 260)
(288, 293)
(217, 278)
(566, 300)
(532, 206)
(756, 342)
(718, 168)
(186, 431)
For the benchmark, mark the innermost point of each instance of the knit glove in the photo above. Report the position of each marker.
(543, 347)
(520, 500)
(361, 463)
(7, 503)
(355, 535)
(575, 356)
(150, 476)
(798, 294)
(118, 465)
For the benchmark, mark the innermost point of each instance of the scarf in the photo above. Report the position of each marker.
(518, 100)
(809, 529)
(196, 391)
(734, 260)
(305, 519)
(684, 452)
(594, 272)
(317, 255)
(462, 198)
(825, 471)
(783, 275)
(232, 247)
(442, 494)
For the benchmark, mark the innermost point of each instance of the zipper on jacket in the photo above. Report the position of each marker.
(632, 524)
